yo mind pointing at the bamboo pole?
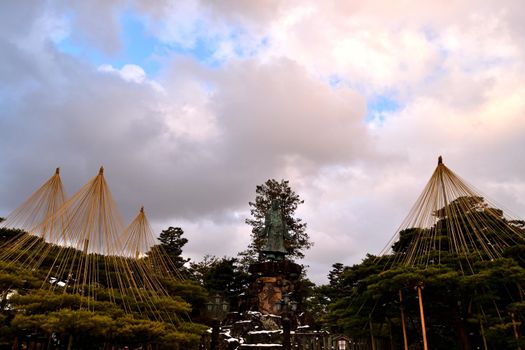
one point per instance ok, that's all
(483, 334)
(403, 321)
(390, 336)
(70, 342)
(86, 246)
(515, 327)
(372, 334)
(422, 312)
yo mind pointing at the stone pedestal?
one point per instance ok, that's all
(273, 279)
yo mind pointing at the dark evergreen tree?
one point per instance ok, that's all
(290, 201)
(172, 242)
(44, 316)
(468, 299)
(335, 275)
(320, 297)
(223, 276)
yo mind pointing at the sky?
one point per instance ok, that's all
(189, 105)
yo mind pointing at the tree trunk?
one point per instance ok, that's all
(464, 340)
(70, 342)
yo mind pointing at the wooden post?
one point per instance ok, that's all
(515, 327)
(70, 342)
(391, 337)
(422, 312)
(483, 334)
(372, 334)
(86, 246)
(215, 330)
(49, 340)
(403, 321)
(286, 323)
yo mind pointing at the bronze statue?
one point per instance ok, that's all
(275, 232)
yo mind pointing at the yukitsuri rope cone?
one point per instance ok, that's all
(83, 246)
(452, 216)
(27, 246)
(139, 242)
(453, 222)
(147, 260)
(42, 204)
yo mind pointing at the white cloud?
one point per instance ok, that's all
(129, 72)
(192, 142)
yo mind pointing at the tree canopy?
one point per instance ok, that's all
(468, 299)
(223, 276)
(272, 189)
(33, 305)
(172, 242)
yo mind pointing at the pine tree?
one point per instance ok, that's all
(290, 201)
(172, 242)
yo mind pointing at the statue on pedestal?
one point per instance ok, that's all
(274, 275)
(275, 232)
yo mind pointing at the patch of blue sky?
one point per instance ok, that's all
(203, 50)
(380, 105)
(68, 46)
(247, 51)
(147, 51)
(242, 46)
(138, 47)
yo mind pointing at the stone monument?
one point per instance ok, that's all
(266, 316)
(275, 275)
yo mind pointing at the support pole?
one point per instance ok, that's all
(391, 338)
(70, 342)
(372, 339)
(86, 246)
(286, 332)
(485, 347)
(515, 327)
(422, 312)
(214, 344)
(15, 343)
(403, 321)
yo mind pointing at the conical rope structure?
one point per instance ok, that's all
(453, 229)
(451, 216)
(84, 250)
(139, 242)
(147, 262)
(43, 203)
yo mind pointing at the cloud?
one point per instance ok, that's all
(278, 111)
(190, 147)
(129, 72)
(259, 101)
(96, 22)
